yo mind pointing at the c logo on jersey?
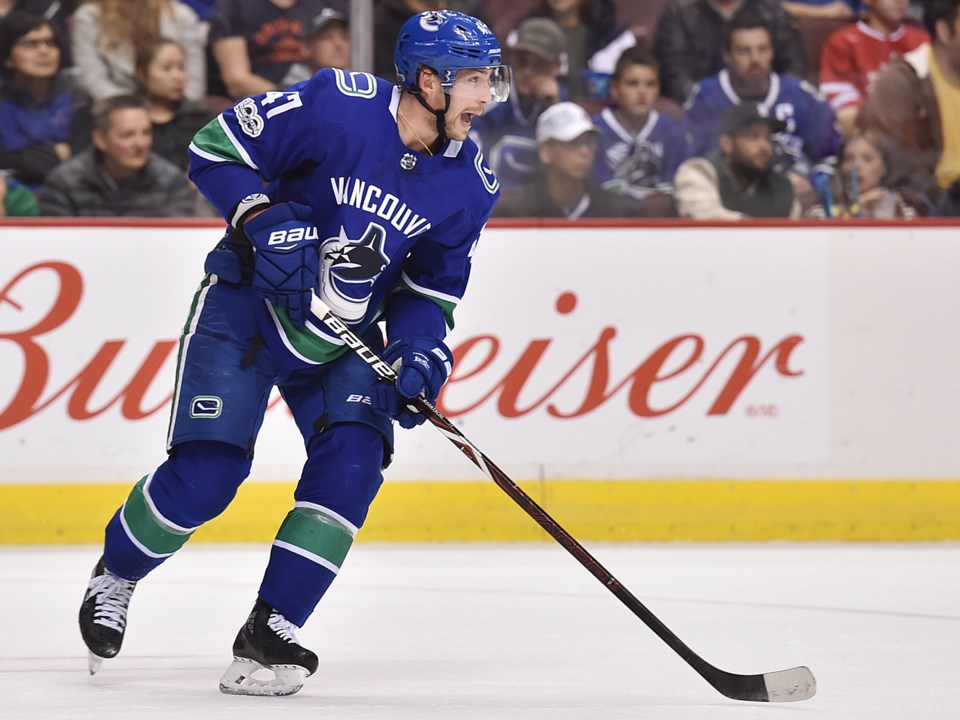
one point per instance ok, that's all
(348, 269)
(490, 181)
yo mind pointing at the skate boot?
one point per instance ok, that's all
(267, 660)
(103, 614)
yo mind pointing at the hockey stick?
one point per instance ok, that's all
(781, 686)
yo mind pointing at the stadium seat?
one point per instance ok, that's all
(813, 34)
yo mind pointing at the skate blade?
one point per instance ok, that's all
(93, 662)
(247, 677)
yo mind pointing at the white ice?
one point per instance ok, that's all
(504, 631)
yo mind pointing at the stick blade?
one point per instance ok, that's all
(790, 685)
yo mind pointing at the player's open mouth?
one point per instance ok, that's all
(466, 118)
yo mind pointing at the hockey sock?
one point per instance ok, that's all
(162, 511)
(138, 538)
(310, 546)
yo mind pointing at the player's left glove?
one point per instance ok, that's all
(423, 366)
(286, 261)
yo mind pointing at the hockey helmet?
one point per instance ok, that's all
(448, 42)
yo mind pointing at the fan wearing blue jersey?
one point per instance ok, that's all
(809, 144)
(507, 134)
(369, 195)
(639, 149)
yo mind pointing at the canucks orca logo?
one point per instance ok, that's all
(348, 269)
(642, 168)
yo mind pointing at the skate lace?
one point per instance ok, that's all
(282, 627)
(113, 596)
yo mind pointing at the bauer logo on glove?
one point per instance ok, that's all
(288, 239)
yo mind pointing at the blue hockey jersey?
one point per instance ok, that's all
(636, 164)
(397, 228)
(810, 142)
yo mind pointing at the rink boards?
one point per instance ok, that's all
(641, 382)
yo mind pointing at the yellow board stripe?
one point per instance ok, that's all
(656, 510)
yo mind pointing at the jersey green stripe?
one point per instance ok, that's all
(317, 533)
(214, 140)
(147, 528)
(311, 346)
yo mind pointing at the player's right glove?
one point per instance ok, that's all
(286, 261)
(423, 366)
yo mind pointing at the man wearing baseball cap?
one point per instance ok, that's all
(328, 46)
(737, 180)
(566, 145)
(535, 52)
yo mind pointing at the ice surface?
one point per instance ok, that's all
(489, 632)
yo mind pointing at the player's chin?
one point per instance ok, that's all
(458, 127)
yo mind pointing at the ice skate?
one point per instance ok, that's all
(267, 660)
(103, 614)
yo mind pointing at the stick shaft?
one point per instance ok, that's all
(740, 687)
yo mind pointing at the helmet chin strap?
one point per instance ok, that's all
(440, 115)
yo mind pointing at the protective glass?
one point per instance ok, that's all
(483, 84)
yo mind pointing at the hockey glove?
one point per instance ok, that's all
(286, 261)
(423, 366)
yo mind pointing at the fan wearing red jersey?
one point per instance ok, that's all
(853, 56)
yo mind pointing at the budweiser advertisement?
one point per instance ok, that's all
(581, 352)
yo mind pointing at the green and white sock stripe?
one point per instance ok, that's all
(189, 330)
(147, 528)
(317, 534)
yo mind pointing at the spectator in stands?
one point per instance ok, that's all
(161, 74)
(56, 12)
(506, 134)
(639, 149)
(825, 9)
(737, 180)
(328, 46)
(389, 16)
(45, 115)
(255, 42)
(914, 105)
(810, 139)
(689, 40)
(118, 175)
(107, 33)
(853, 56)
(567, 144)
(16, 199)
(594, 40)
(858, 189)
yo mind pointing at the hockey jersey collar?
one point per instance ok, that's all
(620, 131)
(727, 86)
(877, 35)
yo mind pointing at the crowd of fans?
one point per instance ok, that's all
(711, 112)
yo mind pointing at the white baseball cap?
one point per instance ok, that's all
(564, 121)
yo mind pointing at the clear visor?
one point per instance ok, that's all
(483, 85)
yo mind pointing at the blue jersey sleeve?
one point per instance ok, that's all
(261, 138)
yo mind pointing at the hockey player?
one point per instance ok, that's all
(809, 143)
(639, 149)
(371, 196)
